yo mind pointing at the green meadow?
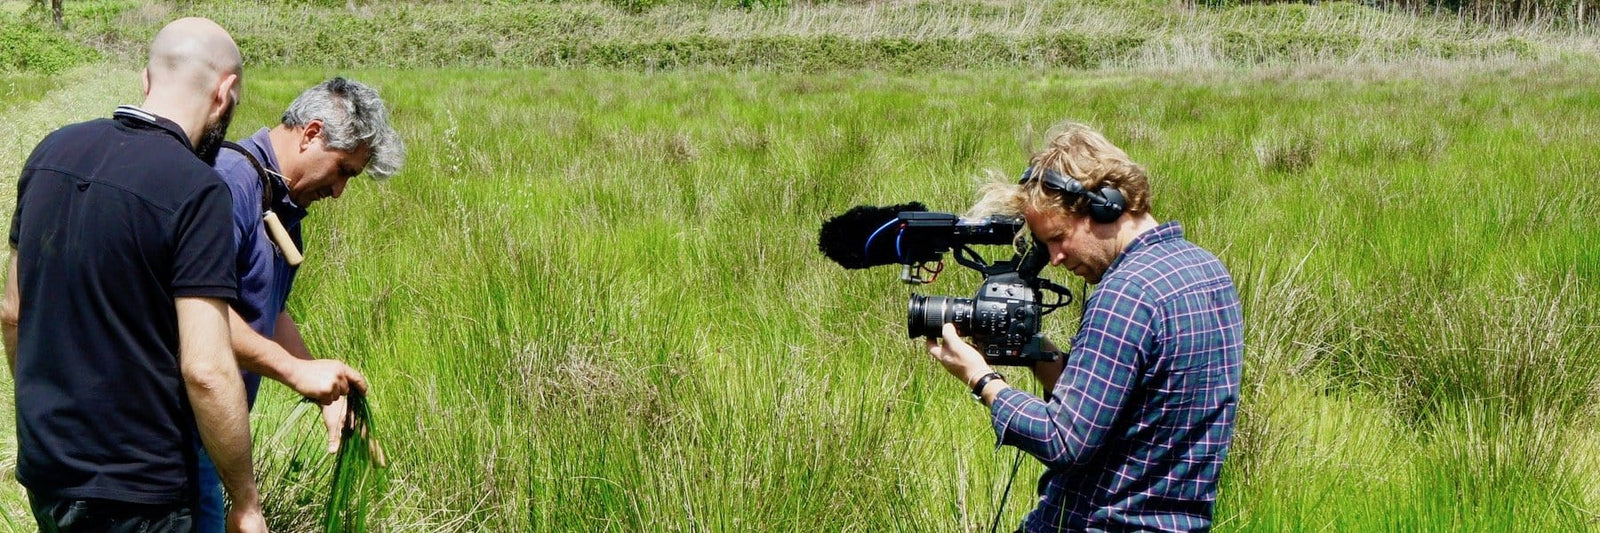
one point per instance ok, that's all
(592, 300)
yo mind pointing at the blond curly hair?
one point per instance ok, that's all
(1075, 150)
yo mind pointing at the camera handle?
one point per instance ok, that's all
(912, 274)
(1063, 295)
(967, 257)
(1027, 263)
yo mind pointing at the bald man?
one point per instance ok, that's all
(115, 310)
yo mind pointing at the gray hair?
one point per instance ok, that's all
(352, 115)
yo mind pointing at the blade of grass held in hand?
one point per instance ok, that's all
(357, 480)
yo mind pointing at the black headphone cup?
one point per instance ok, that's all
(1107, 206)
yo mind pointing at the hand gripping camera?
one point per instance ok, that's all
(1003, 318)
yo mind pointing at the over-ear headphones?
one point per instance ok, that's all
(1105, 205)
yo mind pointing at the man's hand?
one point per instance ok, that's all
(324, 380)
(334, 416)
(958, 358)
(246, 519)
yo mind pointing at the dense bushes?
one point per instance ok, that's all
(34, 47)
(785, 52)
(806, 37)
(415, 47)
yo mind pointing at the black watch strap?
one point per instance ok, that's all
(983, 381)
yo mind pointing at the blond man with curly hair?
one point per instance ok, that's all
(1138, 415)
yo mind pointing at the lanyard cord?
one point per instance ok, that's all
(261, 172)
(276, 235)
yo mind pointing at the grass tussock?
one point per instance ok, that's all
(1290, 155)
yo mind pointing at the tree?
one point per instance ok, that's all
(55, 12)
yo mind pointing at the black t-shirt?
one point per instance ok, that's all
(115, 218)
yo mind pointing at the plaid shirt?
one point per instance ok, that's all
(1139, 422)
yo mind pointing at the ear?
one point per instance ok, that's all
(144, 76)
(226, 92)
(310, 133)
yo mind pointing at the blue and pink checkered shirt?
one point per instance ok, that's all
(1139, 422)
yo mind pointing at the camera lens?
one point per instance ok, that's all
(926, 315)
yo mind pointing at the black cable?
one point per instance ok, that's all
(1015, 466)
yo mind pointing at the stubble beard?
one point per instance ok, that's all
(212, 137)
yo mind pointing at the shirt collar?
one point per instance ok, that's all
(1169, 231)
(133, 115)
(260, 144)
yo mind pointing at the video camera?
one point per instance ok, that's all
(1003, 318)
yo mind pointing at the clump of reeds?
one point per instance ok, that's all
(358, 479)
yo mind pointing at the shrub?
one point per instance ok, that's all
(30, 47)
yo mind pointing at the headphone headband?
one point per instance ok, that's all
(1105, 205)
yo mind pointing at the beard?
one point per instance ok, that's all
(214, 134)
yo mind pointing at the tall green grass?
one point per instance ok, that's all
(21, 89)
(592, 300)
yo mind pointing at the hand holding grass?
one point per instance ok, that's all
(324, 381)
(334, 417)
(357, 483)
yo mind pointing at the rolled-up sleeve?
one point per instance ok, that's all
(1102, 368)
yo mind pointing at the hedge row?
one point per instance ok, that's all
(541, 35)
(1062, 50)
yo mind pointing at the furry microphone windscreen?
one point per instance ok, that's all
(844, 238)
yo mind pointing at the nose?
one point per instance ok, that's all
(338, 187)
(1057, 255)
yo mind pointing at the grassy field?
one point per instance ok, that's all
(592, 301)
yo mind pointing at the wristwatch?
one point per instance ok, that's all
(983, 381)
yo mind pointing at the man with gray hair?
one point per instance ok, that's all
(330, 133)
(115, 312)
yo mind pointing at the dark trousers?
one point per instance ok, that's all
(72, 516)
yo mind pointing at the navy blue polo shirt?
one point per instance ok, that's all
(265, 277)
(114, 219)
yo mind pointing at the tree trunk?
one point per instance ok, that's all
(55, 13)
